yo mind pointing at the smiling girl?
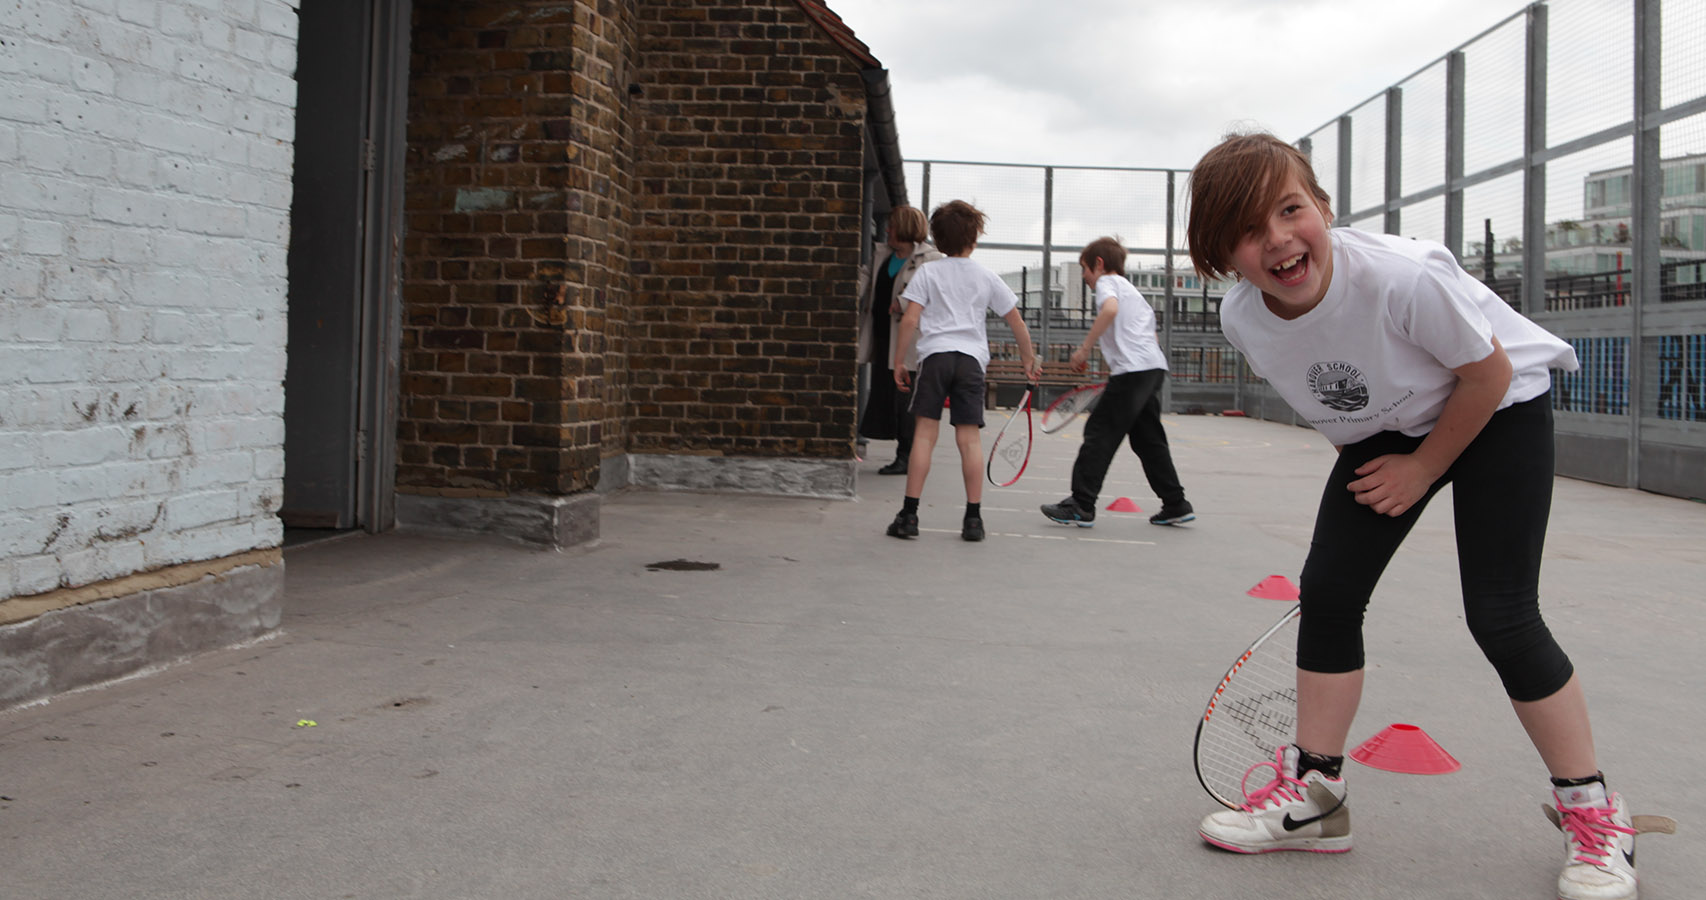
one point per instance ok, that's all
(1421, 376)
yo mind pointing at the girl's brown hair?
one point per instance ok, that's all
(908, 224)
(1232, 189)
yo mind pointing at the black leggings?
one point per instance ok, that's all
(1501, 498)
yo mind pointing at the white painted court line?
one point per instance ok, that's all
(1047, 537)
(1040, 537)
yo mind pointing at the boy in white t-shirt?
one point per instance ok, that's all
(946, 304)
(1421, 376)
(1130, 406)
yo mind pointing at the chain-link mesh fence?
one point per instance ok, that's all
(1561, 154)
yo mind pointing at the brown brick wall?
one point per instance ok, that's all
(746, 243)
(592, 269)
(602, 209)
(514, 203)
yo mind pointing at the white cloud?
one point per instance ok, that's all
(1148, 83)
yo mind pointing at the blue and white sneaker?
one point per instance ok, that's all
(1068, 512)
(1174, 514)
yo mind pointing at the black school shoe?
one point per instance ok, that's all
(1068, 512)
(898, 467)
(1174, 514)
(905, 525)
(972, 529)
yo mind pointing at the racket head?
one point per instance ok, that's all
(1069, 406)
(1011, 450)
(1252, 713)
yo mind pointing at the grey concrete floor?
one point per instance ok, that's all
(833, 713)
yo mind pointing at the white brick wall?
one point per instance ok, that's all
(145, 181)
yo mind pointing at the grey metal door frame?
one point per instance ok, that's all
(382, 276)
(345, 272)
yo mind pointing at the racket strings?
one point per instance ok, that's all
(1252, 715)
(1011, 451)
(1079, 402)
(1069, 407)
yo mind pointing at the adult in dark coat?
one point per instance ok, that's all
(880, 285)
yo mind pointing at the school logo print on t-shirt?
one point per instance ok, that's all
(1338, 385)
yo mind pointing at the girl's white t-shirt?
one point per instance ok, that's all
(1376, 353)
(1129, 343)
(957, 294)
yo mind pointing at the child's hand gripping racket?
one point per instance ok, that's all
(1253, 712)
(1011, 450)
(1069, 406)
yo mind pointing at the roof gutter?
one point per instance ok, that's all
(880, 118)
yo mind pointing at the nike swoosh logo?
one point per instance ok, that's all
(1630, 856)
(1294, 824)
(1291, 824)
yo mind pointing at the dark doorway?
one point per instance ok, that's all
(340, 385)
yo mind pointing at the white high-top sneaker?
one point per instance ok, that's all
(1599, 844)
(1286, 813)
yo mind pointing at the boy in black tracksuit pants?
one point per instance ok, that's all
(1130, 406)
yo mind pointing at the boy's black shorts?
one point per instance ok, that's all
(953, 377)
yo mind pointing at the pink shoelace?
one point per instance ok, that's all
(1592, 830)
(1282, 788)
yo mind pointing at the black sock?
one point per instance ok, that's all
(974, 510)
(1579, 782)
(1329, 766)
(909, 506)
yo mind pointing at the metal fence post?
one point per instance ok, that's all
(1048, 242)
(1455, 79)
(1534, 169)
(1167, 298)
(1647, 188)
(924, 202)
(1394, 159)
(1343, 189)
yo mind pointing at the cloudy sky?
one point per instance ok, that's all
(1141, 82)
